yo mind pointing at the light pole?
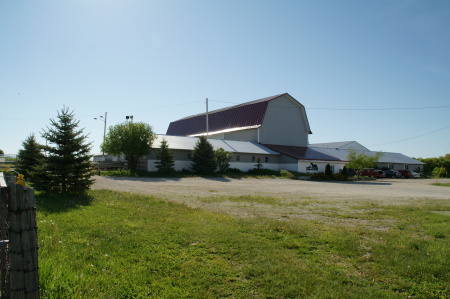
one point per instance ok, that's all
(104, 131)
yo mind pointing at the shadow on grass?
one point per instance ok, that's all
(60, 203)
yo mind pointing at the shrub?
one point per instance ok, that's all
(286, 174)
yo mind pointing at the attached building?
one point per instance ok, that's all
(274, 129)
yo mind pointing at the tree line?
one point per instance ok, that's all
(64, 163)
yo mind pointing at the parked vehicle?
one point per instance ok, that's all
(416, 175)
(393, 174)
(367, 172)
(406, 174)
(378, 174)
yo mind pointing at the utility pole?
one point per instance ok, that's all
(207, 124)
(104, 130)
(104, 134)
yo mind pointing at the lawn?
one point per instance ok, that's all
(119, 245)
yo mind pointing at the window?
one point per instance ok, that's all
(189, 157)
(253, 158)
(266, 159)
(238, 158)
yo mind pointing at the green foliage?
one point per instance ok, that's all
(328, 171)
(132, 139)
(286, 174)
(1, 152)
(222, 159)
(29, 158)
(203, 160)
(439, 172)
(258, 165)
(362, 160)
(165, 160)
(120, 245)
(67, 166)
(432, 163)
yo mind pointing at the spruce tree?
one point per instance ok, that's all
(165, 160)
(203, 161)
(67, 166)
(29, 158)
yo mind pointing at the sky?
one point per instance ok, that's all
(375, 72)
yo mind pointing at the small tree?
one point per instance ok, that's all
(223, 159)
(165, 160)
(67, 166)
(29, 158)
(203, 161)
(1, 152)
(134, 140)
(328, 171)
(359, 161)
(258, 164)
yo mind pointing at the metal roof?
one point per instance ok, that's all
(301, 153)
(391, 158)
(243, 116)
(188, 143)
(338, 145)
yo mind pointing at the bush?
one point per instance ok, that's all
(320, 176)
(286, 174)
(263, 172)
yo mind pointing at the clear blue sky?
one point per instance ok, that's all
(379, 68)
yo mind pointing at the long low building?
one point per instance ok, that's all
(273, 130)
(313, 158)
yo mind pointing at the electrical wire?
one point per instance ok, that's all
(406, 139)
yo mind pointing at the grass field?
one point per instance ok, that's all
(118, 245)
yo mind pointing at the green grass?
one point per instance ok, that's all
(119, 245)
(441, 184)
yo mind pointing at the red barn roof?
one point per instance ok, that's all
(243, 116)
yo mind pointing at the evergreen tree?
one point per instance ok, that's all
(165, 160)
(29, 158)
(223, 159)
(203, 161)
(67, 166)
(328, 171)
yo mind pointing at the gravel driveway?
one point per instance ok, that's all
(386, 190)
(287, 199)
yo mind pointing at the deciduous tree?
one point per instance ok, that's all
(362, 160)
(134, 140)
(223, 159)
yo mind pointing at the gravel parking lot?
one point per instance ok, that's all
(388, 191)
(286, 199)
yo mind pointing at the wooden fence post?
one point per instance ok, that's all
(4, 236)
(22, 247)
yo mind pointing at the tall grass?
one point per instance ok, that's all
(119, 245)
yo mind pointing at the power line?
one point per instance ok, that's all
(381, 109)
(356, 109)
(406, 139)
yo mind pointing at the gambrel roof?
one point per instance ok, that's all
(248, 115)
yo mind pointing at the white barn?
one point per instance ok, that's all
(275, 129)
